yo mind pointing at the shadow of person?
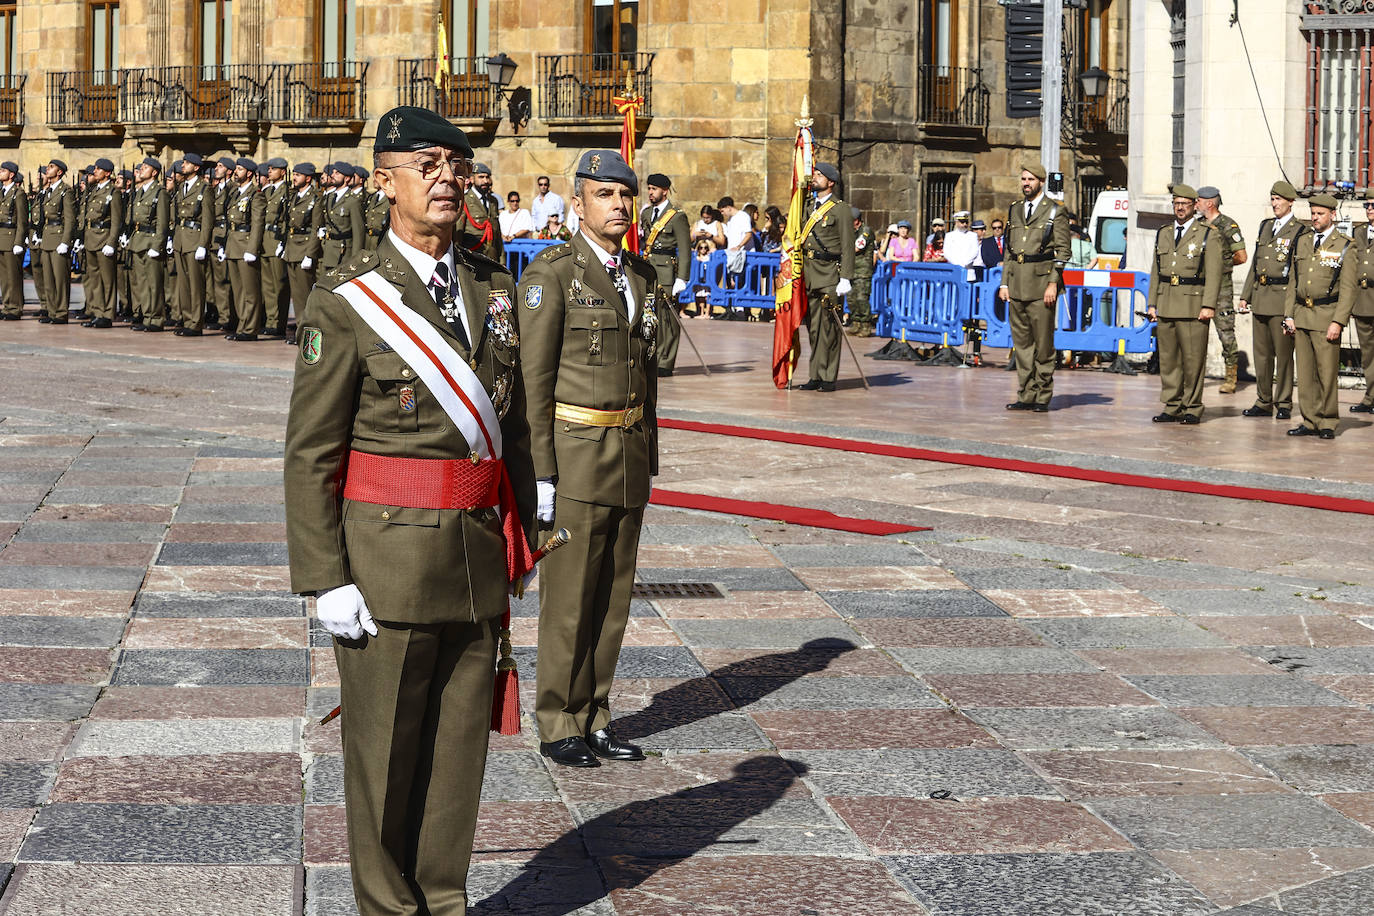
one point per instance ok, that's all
(703, 697)
(645, 837)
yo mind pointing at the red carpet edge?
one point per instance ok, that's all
(1046, 469)
(793, 515)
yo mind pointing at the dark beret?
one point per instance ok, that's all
(658, 180)
(607, 165)
(176, 166)
(828, 170)
(407, 127)
(126, 175)
(245, 162)
(855, 212)
(226, 161)
(105, 164)
(361, 171)
(262, 168)
(193, 158)
(1209, 192)
(481, 168)
(59, 163)
(276, 162)
(154, 164)
(88, 170)
(343, 168)
(305, 168)
(10, 166)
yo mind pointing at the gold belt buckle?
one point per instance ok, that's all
(1264, 279)
(1173, 281)
(1020, 259)
(1307, 300)
(1364, 283)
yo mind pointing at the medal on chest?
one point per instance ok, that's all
(499, 318)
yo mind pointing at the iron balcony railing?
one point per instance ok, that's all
(466, 93)
(1108, 114)
(238, 92)
(952, 96)
(12, 99)
(584, 86)
(83, 97)
(332, 91)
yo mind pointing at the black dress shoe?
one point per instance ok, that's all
(1041, 408)
(1020, 405)
(1326, 434)
(1302, 431)
(58, 321)
(1189, 419)
(665, 373)
(240, 337)
(604, 744)
(190, 332)
(44, 319)
(9, 317)
(1283, 413)
(1362, 408)
(138, 326)
(569, 752)
(213, 326)
(87, 324)
(826, 386)
(1165, 418)
(276, 334)
(1257, 411)
(153, 327)
(813, 385)
(98, 323)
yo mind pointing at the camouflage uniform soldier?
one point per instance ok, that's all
(1232, 254)
(1361, 257)
(865, 259)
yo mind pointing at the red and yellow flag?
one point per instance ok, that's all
(629, 106)
(789, 290)
(443, 69)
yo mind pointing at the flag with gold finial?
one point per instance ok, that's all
(629, 106)
(443, 69)
(789, 290)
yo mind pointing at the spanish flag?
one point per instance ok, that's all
(789, 290)
(629, 106)
(442, 68)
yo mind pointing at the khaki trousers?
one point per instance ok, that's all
(1182, 359)
(823, 329)
(416, 718)
(57, 282)
(301, 281)
(12, 281)
(1364, 327)
(276, 294)
(1273, 363)
(218, 294)
(584, 604)
(246, 282)
(150, 300)
(102, 278)
(1319, 360)
(190, 297)
(1032, 340)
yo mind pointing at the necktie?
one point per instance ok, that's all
(1178, 235)
(1030, 208)
(447, 297)
(1317, 241)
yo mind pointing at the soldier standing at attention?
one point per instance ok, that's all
(1363, 312)
(1185, 276)
(668, 246)
(303, 227)
(243, 248)
(37, 195)
(14, 229)
(411, 575)
(125, 297)
(59, 230)
(1265, 290)
(193, 208)
(865, 260)
(1317, 306)
(827, 240)
(219, 299)
(375, 215)
(342, 228)
(103, 219)
(1037, 248)
(276, 294)
(480, 227)
(150, 218)
(1232, 254)
(589, 317)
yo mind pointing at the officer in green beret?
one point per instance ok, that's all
(1232, 255)
(1362, 253)
(1037, 248)
(589, 310)
(1185, 277)
(668, 246)
(1317, 307)
(1263, 296)
(397, 518)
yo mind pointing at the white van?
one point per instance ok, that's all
(1107, 229)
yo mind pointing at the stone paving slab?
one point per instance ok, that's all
(1121, 728)
(931, 603)
(1320, 768)
(222, 554)
(235, 777)
(915, 773)
(50, 532)
(1230, 822)
(229, 604)
(56, 702)
(171, 737)
(1233, 690)
(1126, 632)
(209, 667)
(763, 693)
(1306, 660)
(141, 890)
(192, 834)
(83, 632)
(991, 661)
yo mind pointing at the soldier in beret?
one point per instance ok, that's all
(193, 212)
(1263, 296)
(410, 576)
(589, 310)
(219, 295)
(1037, 248)
(827, 240)
(150, 218)
(668, 246)
(14, 229)
(342, 228)
(303, 226)
(59, 231)
(243, 248)
(480, 227)
(276, 294)
(124, 181)
(376, 209)
(103, 222)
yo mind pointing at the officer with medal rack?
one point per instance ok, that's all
(1362, 254)
(103, 220)
(668, 246)
(408, 514)
(827, 240)
(589, 317)
(1263, 297)
(1317, 307)
(14, 228)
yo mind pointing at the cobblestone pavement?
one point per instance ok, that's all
(1064, 698)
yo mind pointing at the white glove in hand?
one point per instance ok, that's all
(281, 249)
(154, 253)
(546, 491)
(170, 249)
(343, 612)
(18, 249)
(200, 253)
(678, 286)
(842, 288)
(320, 234)
(62, 248)
(249, 257)
(307, 263)
(124, 240)
(220, 256)
(108, 251)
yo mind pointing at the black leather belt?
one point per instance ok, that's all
(1265, 280)
(1320, 300)
(823, 255)
(104, 224)
(55, 222)
(1364, 281)
(190, 224)
(1030, 258)
(145, 227)
(669, 250)
(338, 235)
(8, 226)
(1176, 280)
(272, 228)
(305, 231)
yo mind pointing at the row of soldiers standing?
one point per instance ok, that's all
(226, 244)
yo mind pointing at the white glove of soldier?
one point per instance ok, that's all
(170, 249)
(343, 612)
(307, 263)
(249, 257)
(108, 251)
(320, 234)
(200, 253)
(154, 253)
(62, 248)
(545, 490)
(123, 240)
(220, 256)
(842, 288)
(281, 249)
(678, 286)
(18, 249)
(79, 245)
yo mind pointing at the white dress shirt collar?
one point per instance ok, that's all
(423, 264)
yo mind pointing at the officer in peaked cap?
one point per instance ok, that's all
(411, 579)
(1263, 297)
(14, 233)
(667, 243)
(590, 317)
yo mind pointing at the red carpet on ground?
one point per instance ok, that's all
(1044, 468)
(792, 515)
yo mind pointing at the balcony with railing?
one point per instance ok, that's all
(333, 92)
(582, 87)
(239, 93)
(84, 99)
(12, 100)
(951, 98)
(465, 95)
(1105, 117)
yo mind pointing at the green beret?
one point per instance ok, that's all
(407, 128)
(1323, 200)
(607, 165)
(1284, 189)
(1183, 190)
(1035, 169)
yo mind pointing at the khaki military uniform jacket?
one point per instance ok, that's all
(486, 211)
(1266, 286)
(150, 215)
(670, 249)
(581, 349)
(219, 212)
(412, 565)
(194, 213)
(244, 212)
(1185, 279)
(102, 216)
(1360, 261)
(14, 217)
(303, 220)
(1323, 289)
(342, 218)
(376, 218)
(828, 249)
(58, 207)
(274, 200)
(1035, 250)
(1228, 231)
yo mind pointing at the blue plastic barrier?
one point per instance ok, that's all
(1097, 312)
(519, 253)
(927, 303)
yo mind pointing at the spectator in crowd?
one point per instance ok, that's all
(936, 225)
(709, 227)
(993, 247)
(516, 222)
(701, 293)
(753, 211)
(961, 244)
(935, 248)
(977, 267)
(546, 203)
(1082, 252)
(774, 223)
(903, 247)
(555, 230)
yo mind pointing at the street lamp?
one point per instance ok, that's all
(500, 71)
(1094, 82)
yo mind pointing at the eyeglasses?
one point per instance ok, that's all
(997, 225)
(431, 169)
(1369, 204)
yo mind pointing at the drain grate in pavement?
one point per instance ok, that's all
(675, 590)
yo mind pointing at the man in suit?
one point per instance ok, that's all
(1265, 290)
(276, 294)
(1036, 250)
(149, 227)
(1185, 278)
(243, 249)
(59, 231)
(342, 229)
(668, 246)
(992, 250)
(480, 227)
(103, 222)
(589, 315)
(827, 240)
(410, 576)
(1317, 307)
(14, 230)
(1362, 254)
(303, 223)
(193, 212)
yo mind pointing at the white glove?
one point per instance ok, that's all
(62, 248)
(343, 612)
(154, 253)
(546, 491)
(842, 288)
(678, 286)
(307, 263)
(170, 249)
(220, 257)
(79, 245)
(124, 239)
(200, 253)
(320, 234)
(249, 257)
(108, 251)
(18, 249)
(281, 249)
